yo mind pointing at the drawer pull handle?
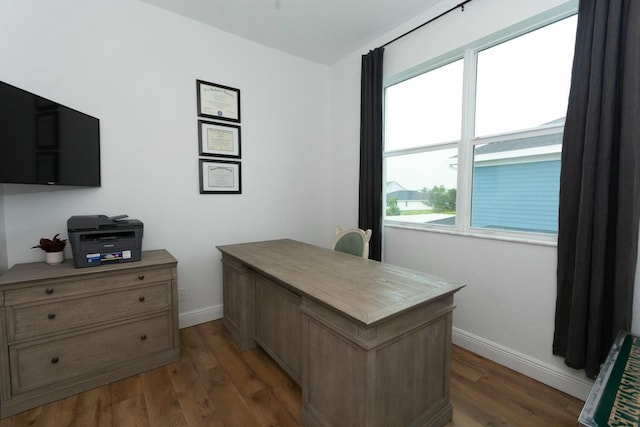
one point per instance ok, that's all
(54, 360)
(143, 337)
(141, 276)
(141, 298)
(48, 291)
(51, 316)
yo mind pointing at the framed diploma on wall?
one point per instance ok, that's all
(220, 177)
(218, 139)
(218, 102)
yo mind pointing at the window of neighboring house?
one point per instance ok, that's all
(495, 168)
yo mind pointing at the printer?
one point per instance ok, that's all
(99, 239)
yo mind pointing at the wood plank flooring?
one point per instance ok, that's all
(215, 385)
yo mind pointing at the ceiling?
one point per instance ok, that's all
(323, 31)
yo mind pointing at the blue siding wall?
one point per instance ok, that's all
(521, 196)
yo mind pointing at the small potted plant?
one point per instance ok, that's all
(53, 249)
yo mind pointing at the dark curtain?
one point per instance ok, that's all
(599, 185)
(370, 191)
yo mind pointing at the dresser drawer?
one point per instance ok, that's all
(67, 359)
(30, 320)
(98, 283)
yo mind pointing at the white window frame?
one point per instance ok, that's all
(468, 141)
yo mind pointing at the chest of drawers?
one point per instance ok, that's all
(65, 330)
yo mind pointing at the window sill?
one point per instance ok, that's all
(527, 238)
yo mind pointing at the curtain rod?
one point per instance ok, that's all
(460, 5)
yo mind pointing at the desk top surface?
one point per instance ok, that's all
(366, 290)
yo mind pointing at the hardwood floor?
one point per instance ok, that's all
(215, 385)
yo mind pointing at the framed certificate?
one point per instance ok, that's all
(220, 177)
(217, 101)
(218, 139)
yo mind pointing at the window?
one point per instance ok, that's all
(433, 125)
(473, 145)
(435, 112)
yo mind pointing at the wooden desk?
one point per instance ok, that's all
(368, 342)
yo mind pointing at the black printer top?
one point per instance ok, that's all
(100, 222)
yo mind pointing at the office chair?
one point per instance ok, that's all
(352, 241)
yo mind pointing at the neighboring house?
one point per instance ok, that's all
(412, 200)
(516, 184)
(408, 200)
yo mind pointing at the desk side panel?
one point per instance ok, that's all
(412, 376)
(238, 285)
(393, 373)
(279, 325)
(335, 379)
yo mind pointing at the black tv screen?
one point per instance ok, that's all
(43, 142)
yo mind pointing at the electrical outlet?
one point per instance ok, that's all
(182, 294)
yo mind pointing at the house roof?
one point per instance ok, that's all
(520, 144)
(406, 195)
(394, 186)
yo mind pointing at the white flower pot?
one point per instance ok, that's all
(54, 257)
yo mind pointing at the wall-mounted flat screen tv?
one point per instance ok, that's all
(43, 142)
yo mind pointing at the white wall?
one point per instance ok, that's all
(134, 67)
(507, 310)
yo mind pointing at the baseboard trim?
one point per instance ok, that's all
(538, 370)
(202, 315)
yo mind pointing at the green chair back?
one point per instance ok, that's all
(351, 243)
